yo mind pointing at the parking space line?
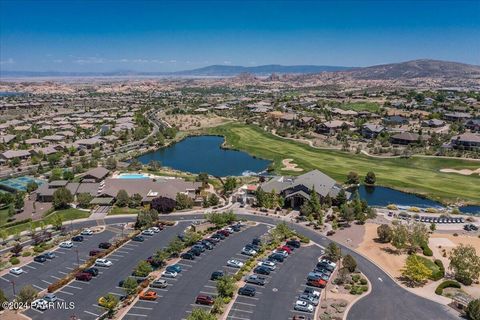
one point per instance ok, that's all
(247, 304)
(210, 293)
(4, 279)
(148, 301)
(117, 255)
(29, 266)
(57, 278)
(64, 273)
(38, 287)
(70, 286)
(135, 315)
(47, 282)
(116, 294)
(240, 310)
(66, 292)
(91, 313)
(143, 308)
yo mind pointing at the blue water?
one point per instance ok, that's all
(132, 176)
(470, 210)
(10, 94)
(203, 154)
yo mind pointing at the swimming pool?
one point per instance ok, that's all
(132, 176)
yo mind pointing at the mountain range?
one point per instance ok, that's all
(404, 70)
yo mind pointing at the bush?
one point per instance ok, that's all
(440, 273)
(355, 277)
(447, 284)
(363, 281)
(14, 260)
(473, 310)
(426, 250)
(26, 254)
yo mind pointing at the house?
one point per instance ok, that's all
(12, 154)
(472, 124)
(306, 122)
(34, 141)
(88, 143)
(433, 123)
(7, 138)
(468, 141)
(45, 192)
(395, 120)
(406, 138)
(371, 131)
(332, 127)
(97, 174)
(457, 116)
(297, 190)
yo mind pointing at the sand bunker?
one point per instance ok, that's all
(465, 172)
(290, 166)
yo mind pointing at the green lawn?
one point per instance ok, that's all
(66, 214)
(125, 210)
(3, 216)
(361, 106)
(418, 174)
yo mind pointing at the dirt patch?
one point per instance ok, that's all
(290, 166)
(194, 121)
(351, 236)
(465, 172)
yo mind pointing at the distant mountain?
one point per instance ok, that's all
(223, 70)
(416, 69)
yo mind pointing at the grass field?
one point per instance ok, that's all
(417, 175)
(125, 210)
(361, 106)
(3, 216)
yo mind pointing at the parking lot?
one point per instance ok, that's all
(85, 294)
(276, 299)
(178, 299)
(41, 275)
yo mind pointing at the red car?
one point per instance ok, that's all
(83, 276)
(318, 283)
(224, 232)
(204, 299)
(285, 248)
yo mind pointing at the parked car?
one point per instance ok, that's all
(248, 252)
(207, 244)
(92, 270)
(217, 275)
(224, 232)
(318, 283)
(255, 279)
(236, 228)
(83, 276)
(105, 245)
(159, 283)
(234, 263)
(257, 241)
(174, 267)
(169, 274)
(294, 243)
(247, 291)
(148, 295)
(41, 258)
(49, 255)
(77, 238)
(66, 244)
(252, 246)
(309, 299)
(195, 251)
(50, 297)
(218, 236)
(188, 255)
(204, 299)
(155, 229)
(16, 271)
(93, 253)
(267, 264)
(148, 232)
(300, 317)
(138, 239)
(103, 263)
(261, 270)
(213, 240)
(303, 306)
(282, 252)
(86, 232)
(312, 292)
(40, 304)
(276, 257)
(199, 247)
(286, 248)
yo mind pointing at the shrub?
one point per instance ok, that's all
(364, 288)
(26, 254)
(426, 250)
(363, 281)
(473, 310)
(447, 284)
(355, 277)
(14, 260)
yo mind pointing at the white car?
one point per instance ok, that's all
(16, 271)
(249, 252)
(282, 252)
(332, 264)
(303, 306)
(234, 263)
(40, 304)
(103, 263)
(267, 264)
(87, 232)
(148, 232)
(169, 274)
(230, 230)
(155, 229)
(66, 244)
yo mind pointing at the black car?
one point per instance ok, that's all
(207, 244)
(294, 243)
(256, 241)
(138, 238)
(92, 271)
(195, 251)
(324, 265)
(236, 228)
(77, 238)
(41, 258)
(252, 247)
(277, 257)
(188, 256)
(199, 247)
(247, 291)
(217, 275)
(104, 245)
(261, 270)
(219, 235)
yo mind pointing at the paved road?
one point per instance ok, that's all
(275, 300)
(85, 294)
(41, 275)
(387, 299)
(177, 301)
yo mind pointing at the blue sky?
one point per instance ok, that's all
(165, 36)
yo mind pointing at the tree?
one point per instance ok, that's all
(122, 198)
(347, 213)
(221, 219)
(56, 174)
(32, 186)
(130, 285)
(3, 299)
(415, 271)
(62, 197)
(341, 197)
(418, 236)
(154, 165)
(183, 201)
(201, 314)
(230, 184)
(16, 249)
(333, 252)
(135, 201)
(465, 262)
(143, 269)
(111, 163)
(370, 178)
(399, 236)
(19, 202)
(282, 231)
(473, 310)
(226, 286)
(27, 294)
(68, 175)
(84, 199)
(203, 178)
(213, 199)
(350, 263)
(353, 178)
(109, 303)
(57, 221)
(384, 233)
(175, 246)
(163, 204)
(433, 227)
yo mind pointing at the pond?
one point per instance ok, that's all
(204, 154)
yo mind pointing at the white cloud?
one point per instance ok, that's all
(227, 62)
(8, 61)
